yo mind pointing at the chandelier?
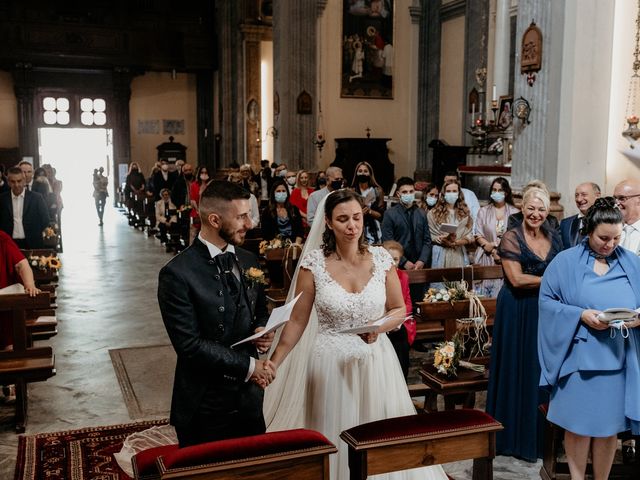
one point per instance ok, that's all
(632, 132)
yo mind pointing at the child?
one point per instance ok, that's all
(402, 338)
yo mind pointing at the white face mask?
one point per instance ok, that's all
(451, 197)
(431, 201)
(291, 181)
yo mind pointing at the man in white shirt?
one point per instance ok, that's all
(23, 214)
(627, 194)
(335, 181)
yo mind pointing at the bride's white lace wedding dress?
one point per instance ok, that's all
(350, 382)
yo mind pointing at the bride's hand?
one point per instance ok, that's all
(369, 337)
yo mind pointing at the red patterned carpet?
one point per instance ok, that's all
(75, 454)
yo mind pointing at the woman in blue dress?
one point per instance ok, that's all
(591, 367)
(512, 394)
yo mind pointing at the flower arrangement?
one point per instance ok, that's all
(277, 242)
(453, 291)
(43, 263)
(255, 276)
(446, 357)
(50, 232)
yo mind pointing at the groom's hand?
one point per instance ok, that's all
(264, 373)
(263, 343)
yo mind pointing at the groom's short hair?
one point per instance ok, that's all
(215, 197)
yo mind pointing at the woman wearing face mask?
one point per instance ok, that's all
(200, 183)
(364, 183)
(449, 249)
(300, 194)
(281, 218)
(430, 196)
(134, 190)
(490, 224)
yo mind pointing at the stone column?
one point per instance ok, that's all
(501, 51)
(428, 86)
(27, 130)
(121, 122)
(204, 115)
(295, 63)
(535, 147)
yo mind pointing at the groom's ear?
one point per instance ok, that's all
(215, 220)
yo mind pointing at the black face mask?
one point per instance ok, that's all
(321, 182)
(336, 184)
(188, 176)
(362, 178)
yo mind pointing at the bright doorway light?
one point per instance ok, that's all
(75, 153)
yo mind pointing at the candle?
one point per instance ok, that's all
(473, 111)
(494, 96)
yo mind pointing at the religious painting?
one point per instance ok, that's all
(148, 127)
(304, 103)
(505, 111)
(173, 127)
(367, 49)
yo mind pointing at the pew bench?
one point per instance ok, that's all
(422, 440)
(24, 364)
(287, 455)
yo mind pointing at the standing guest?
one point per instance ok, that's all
(216, 393)
(430, 196)
(470, 198)
(134, 187)
(280, 171)
(27, 170)
(56, 186)
(4, 186)
(23, 214)
(364, 183)
(321, 180)
(179, 164)
(41, 183)
(280, 218)
(182, 186)
(591, 369)
(512, 395)
(253, 201)
(201, 182)
(100, 192)
(403, 337)
(407, 224)
(163, 178)
(450, 249)
(166, 214)
(335, 181)
(266, 179)
(627, 195)
(517, 218)
(491, 224)
(300, 195)
(248, 183)
(290, 180)
(585, 195)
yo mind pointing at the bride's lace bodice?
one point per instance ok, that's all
(338, 309)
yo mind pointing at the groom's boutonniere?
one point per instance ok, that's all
(254, 276)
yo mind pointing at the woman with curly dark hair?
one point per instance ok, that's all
(364, 183)
(280, 218)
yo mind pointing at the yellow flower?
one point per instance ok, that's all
(255, 276)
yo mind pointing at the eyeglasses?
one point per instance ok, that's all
(624, 198)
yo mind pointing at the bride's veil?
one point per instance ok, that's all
(285, 398)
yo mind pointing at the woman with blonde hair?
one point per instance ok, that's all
(300, 194)
(451, 227)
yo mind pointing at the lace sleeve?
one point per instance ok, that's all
(509, 247)
(382, 258)
(313, 261)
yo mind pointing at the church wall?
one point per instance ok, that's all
(452, 81)
(8, 112)
(349, 117)
(156, 96)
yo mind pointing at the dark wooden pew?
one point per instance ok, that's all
(24, 364)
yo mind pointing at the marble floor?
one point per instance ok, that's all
(106, 300)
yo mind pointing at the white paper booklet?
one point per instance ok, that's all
(613, 314)
(449, 228)
(279, 316)
(369, 327)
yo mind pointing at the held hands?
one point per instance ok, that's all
(263, 343)
(264, 373)
(590, 318)
(369, 337)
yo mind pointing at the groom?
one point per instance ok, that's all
(207, 304)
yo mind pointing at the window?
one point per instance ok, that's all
(56, 111)
(93, 111)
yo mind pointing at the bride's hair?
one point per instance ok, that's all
(333, 200)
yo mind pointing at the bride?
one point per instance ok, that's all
(330, 381)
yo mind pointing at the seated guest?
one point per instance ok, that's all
(248, 183)
(335, 181)
(300, 194)
(449, 249)
(470, 198)
(253, 201)
(23, 214)
(430, 196)
(364, 183)
(491, 224)
(627, 195)
(280, 218)
(517, 218)
(513, 395)
(586, 193)
(166, 213)
(591, 369)
(403, 337)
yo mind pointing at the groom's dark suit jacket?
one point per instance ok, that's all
(200, 317)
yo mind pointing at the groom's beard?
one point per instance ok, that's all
(234, 237)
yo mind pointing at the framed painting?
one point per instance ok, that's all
(367, 49)
(505, 111)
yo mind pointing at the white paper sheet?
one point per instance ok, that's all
(278, 317)
(370, 327)
(12, 289)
